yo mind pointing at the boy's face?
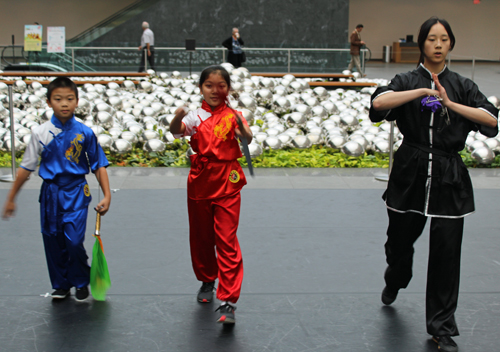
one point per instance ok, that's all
(64, 102)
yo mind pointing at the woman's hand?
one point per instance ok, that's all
(473, 114)
(394, 99)
(441, 92)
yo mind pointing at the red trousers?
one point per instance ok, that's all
(213, 223)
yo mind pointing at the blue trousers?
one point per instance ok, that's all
(65, 253)
(63, 212)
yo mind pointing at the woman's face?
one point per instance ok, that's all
(214, 89)
(437, 44)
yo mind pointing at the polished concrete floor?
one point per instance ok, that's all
(312, 243)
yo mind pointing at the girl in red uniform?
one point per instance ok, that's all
(214, 185)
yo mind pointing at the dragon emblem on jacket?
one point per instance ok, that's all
(223, 127)
(75, 150)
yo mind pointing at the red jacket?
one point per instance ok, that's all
(215, 170)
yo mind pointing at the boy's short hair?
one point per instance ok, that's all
(61, 82)
(360, 26)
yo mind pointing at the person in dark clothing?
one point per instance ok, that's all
(435, 109)
(233, 45)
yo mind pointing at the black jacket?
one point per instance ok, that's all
(428, 175)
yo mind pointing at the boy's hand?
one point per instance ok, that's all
(103, 206)
(8, 210)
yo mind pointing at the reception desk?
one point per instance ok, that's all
(405, 52)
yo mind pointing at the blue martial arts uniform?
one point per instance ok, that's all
(68, 152)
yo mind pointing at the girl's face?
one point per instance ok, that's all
(437, 44)
(214, 89)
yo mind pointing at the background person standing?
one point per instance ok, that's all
(233, 44)
(147, 44)
(356, 44)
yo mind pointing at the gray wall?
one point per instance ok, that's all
(76, 16)
(262, 23)
(475, 26)
(312, 23)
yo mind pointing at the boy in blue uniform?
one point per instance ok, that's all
(67, 149)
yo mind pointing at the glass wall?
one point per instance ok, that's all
(102, 59)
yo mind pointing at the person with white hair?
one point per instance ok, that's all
(236, 55)
(147, 44)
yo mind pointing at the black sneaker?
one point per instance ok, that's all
(389, 295)
(82, 293)
(206, 292)
(60, 294)
(226, 314)
(445, 343)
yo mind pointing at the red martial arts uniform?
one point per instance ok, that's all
(214, 185)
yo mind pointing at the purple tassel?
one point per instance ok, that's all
(431, 103)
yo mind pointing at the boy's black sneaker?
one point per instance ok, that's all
(226, 314)
(82, 293)
(389, 295)
(445, 343)
(60, 294)
(206, 292)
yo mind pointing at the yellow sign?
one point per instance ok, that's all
(32, 37)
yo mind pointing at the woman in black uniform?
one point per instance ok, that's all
(435, 109)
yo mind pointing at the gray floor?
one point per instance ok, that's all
(312, 243)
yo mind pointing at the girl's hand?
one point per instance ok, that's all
(176, 125)
(238, 120)
(441, 91)
(8, 210)
(181, 112)
(242, 131)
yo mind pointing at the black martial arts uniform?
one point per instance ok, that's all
(429, 179)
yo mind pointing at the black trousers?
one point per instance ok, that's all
(235, 59)
(443, 272)
(151, 59)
